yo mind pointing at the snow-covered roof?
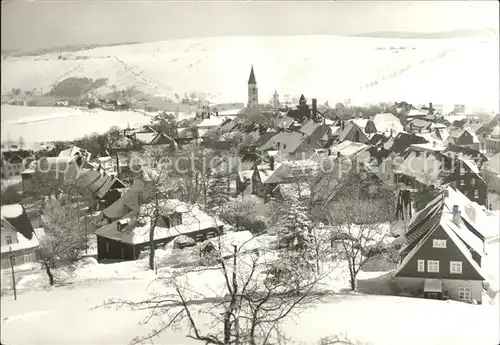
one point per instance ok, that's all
(136, 232)
(415, 112)
(348, 148)
(245, 174)
(22, 243)
(213, 121)
(386, 121)
(11, 211)
(472, 165)
(431, 146)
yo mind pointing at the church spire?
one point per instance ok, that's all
(251, 79)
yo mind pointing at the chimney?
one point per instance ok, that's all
(338, 154)
(271, 163)
(329, 152)
(314, 107)
(457, 218)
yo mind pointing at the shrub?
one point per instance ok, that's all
(255, 224)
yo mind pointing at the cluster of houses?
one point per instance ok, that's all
(410, 149)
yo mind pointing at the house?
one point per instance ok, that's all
(443, 248)
(466, 178)
(12, 163)
(463, 152)
(309, 137)
(352, 132)
(126, 238)
(106, 189)
(387, 122)
(18, 238)
(423, 169)
(260, 175)
(75, 150)
(44, 173)
(403, 141)
(491, 173)
(464, 138)
(492, 142)
(419, 125)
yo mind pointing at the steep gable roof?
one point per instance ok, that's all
(440, 212)
(17, 217)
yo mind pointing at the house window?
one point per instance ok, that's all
(9, 239)
(107, 247)
(476, 193)
(210, 234)
(433, 266)
(462, 182)
(439, 244)
(27, 258)
(13, 256)
(421, 266)
(456, 267)
(473, 181)
(464, 293)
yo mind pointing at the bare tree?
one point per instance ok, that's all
(249, 308)
(360, 231)
(153, 163)
(64, 238)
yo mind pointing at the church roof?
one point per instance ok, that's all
(251, 80)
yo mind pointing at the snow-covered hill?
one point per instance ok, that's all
(329, 68)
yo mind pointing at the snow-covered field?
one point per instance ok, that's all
(63, 315)
(333, 68)
(39, 124)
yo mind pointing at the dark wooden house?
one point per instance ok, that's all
(441, 256)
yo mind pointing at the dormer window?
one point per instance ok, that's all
(122, 223)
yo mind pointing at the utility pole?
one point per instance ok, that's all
(13, 275)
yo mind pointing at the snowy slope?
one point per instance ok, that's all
(39, 124)
(328, 67)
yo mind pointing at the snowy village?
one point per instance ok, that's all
(263, 211)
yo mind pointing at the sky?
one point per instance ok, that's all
(34, 24)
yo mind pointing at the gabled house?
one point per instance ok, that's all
(419, 125)
(13, 163)
(75, 150)
(352, 132)
(444, 245)
(403, 141)
(464, 138)
(424, 169)
(127, 237)
(387, 123)
(466, 153)
(491, 173)
(18, 238)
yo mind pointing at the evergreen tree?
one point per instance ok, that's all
(218, 193)
(295, 244)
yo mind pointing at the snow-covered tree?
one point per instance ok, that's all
(218, 192)
(65, 237)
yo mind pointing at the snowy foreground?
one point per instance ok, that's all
(65, 314)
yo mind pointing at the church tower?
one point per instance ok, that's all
(276, 100)
(253, 92)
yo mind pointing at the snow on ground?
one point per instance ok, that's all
(39, 124)
(63, 315)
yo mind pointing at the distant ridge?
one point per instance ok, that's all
(428, 35)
